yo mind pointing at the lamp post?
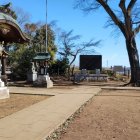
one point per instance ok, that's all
(46, 26)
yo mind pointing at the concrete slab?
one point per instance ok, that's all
(31, 90)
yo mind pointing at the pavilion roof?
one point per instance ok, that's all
(41, 56)
(10, 30)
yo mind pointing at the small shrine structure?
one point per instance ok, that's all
(10, 32)
(41, 61)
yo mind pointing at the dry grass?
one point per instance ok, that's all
(18, 102)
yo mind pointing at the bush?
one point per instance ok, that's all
(59, 67)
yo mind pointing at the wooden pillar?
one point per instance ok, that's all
(3, 65)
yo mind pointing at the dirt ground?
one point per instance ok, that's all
(17, 102)
(111, 115)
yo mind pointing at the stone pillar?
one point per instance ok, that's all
(4, 91)
(32, 74)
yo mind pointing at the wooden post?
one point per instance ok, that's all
(3, 66)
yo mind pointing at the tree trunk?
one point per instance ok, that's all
(69, 68)
(72, 71)
(69, 72)
(134, 61)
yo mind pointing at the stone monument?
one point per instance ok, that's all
(32, 74)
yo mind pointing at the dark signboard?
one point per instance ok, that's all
(90, 62)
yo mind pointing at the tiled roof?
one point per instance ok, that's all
(42, 56)
(8, 18)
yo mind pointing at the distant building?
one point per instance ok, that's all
(118, 69)
(122, 70)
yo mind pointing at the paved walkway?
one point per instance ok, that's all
(121, 88)
(40, 120)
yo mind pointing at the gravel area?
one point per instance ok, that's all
(111, 115)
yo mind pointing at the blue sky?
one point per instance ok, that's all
(88, 26)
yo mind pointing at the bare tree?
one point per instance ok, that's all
(22, 16)
(128, 23)
(71, 48)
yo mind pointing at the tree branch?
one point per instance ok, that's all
(122, 6)
(136, 22)
(112, 15)
(127, 18)
(136, 30)
(131, 5)
(74, 57)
